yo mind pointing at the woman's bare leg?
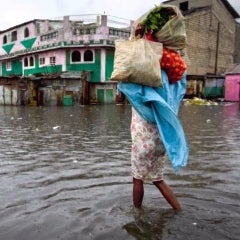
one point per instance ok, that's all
(138, 192)
(168, 194)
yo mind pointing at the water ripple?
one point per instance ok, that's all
(65, 174)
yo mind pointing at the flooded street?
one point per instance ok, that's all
(65, 174)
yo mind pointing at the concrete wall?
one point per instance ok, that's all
(210, 37)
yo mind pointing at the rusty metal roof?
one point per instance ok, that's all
(234, 69)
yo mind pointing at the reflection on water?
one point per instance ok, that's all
(148, 223)
(65, 174)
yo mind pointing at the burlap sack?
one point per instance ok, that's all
(137, 61)
(173, 34)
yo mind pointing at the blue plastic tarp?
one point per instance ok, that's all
(160, 105)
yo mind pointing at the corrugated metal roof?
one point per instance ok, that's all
(72, 74)
(235, 69)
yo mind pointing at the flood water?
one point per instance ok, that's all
(65, 174)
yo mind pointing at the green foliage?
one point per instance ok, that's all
(156, 19)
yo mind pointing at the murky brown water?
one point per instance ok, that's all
(65, 174)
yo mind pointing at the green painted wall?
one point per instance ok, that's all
(45, 69)
(105, 96)
(109, 96)
(100, 95)
(109, 63)
(94, 68)
(213, 92)
(15, 70)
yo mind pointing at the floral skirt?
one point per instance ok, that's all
(148, 152)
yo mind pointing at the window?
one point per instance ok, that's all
(87, 31)
(25, 62)
(4, 39)
(31, 60)
(53, 60)
(42, 61)
(88, 56)
(26, 32)
(49, 36)
(8, 65)
(14, 36)
(93, 31)
(183, 6)
(76, 56)
(28, 62)
(38, 27)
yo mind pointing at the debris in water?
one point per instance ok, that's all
(199, 101)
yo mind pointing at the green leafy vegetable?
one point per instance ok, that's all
(157, 18)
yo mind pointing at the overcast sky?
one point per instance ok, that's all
(18, 12)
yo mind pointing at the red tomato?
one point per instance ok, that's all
(173, 64)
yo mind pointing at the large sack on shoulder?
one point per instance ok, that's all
(173, 33)
(137, 61)
(169, 30)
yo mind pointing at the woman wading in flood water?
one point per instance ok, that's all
(156, 130)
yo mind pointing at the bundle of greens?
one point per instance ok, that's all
(157, 18)
(164, 24)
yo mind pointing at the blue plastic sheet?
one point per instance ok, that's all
(160, 105)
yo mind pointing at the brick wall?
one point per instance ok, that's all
(210, 47)
(210, 37)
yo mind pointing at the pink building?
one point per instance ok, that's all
(49, 61)
(232, 83)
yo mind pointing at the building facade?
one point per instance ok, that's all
(211, 44)
(70, 60)
(44, 62)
